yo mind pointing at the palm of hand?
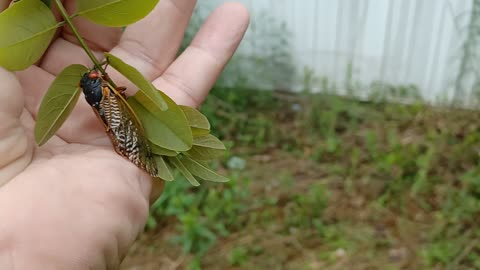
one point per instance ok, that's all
(74, 202)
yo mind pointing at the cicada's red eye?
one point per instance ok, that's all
(94, 74)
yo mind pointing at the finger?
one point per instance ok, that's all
(15, 151)
(4, 4)
(194, 72)
(151, 44)
(65, 50)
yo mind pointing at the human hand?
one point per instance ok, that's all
(74, 203)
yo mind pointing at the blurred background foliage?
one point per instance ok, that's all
(322, 181)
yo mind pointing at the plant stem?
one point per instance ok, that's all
(77, 35)
(82, 42)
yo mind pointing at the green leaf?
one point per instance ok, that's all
(205, 153)
(58, 102)
(200, 170)
(26, 30)
(158, 132)
(179, 165)
(199, 124)
(173, 118)
(155, 97)
(209, 141)
(195, 118)
(115, 13)
(198, 132)
(163, 169)
(162, 151)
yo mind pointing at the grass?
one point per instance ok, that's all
(325, 182)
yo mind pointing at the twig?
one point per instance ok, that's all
(82, 42)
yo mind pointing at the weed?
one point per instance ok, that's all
(238, 256)
(306, 210)
(203, 214)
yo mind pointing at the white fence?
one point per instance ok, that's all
(398, 42)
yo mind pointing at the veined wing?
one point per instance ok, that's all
(126, 131)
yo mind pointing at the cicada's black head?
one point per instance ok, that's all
(91, 83)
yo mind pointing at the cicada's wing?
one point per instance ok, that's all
(126, 132)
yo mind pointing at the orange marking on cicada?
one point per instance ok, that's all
(94, 74)
(105, 91)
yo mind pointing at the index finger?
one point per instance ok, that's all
(189, 78)
(151, 44)
(4, 4)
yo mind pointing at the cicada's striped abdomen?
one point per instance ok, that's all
(126, 133)
(124, 130)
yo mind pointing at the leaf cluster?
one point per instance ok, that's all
(179, 136)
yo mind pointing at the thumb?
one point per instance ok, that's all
(15, 150)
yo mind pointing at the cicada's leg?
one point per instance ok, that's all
(121, 90)
(105, 94)
(104, 64)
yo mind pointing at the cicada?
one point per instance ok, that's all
(121, 123)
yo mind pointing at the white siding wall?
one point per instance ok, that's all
(395, 41)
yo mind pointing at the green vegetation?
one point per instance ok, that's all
(329, 183)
